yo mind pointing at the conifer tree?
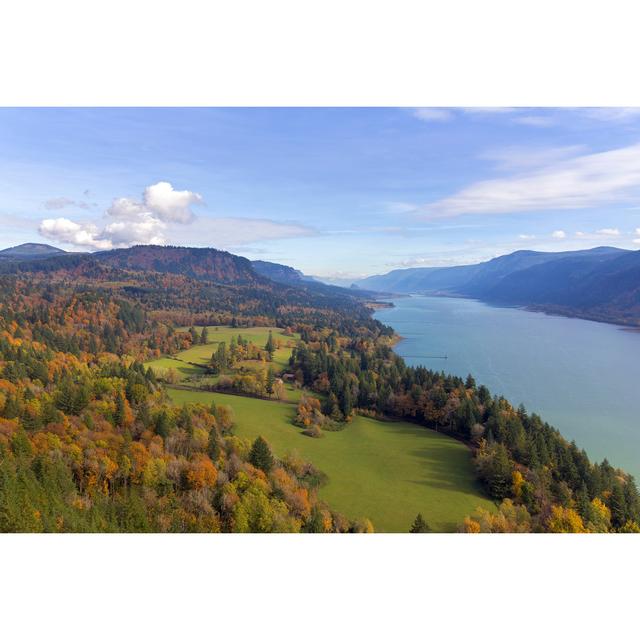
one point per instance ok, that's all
(617, 506)
(271, 379)
(419, 525)
(260, 455)
(270, 346)
(119, 414)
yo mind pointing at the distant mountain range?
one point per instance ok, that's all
(600, 284)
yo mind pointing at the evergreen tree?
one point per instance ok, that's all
(260, 455)
(500, 473)
(213, 447)
(582, 502)
(419, 525)
(617, 504)
(162, 424)
(204, 336)
(271, 380)
(270, 346)
(119, 414)
(346, 405)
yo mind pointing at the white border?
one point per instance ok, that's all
(401, 53)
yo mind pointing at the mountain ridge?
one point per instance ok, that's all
(601, 284)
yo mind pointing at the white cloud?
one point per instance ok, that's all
(517, 158)
(559, 234)
(80, 235)
(126, 233)
(126, 209)
(164, 214)
(608, 232)
(135, 222)
(170, 205)
(636, 241)
(161, 201)
(585, 181)
(524, 236)
(432, 114)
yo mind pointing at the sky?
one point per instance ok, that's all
(338, 193)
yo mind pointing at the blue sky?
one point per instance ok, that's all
(334, 192)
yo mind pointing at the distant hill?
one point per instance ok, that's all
(606, 289)
(202, 264)
(278, 272)
(474, 278)
(279, 284)
(601, 283)
(29, 251)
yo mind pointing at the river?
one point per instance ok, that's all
(580, 376)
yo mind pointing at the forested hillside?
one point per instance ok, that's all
(89, 441)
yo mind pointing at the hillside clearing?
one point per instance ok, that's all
(386, 471)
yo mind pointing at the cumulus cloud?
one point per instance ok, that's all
(585, 181)
(559, 234)
(133, 221)
(161, 215)
(524, 236)
(170, 205)
(80, 235)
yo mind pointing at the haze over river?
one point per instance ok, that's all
(580, 376)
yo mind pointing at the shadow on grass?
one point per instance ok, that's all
(447, 462)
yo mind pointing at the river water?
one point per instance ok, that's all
(580, 376)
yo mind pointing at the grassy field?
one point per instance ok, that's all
(386, 471)
(256, 335)
(201, 353)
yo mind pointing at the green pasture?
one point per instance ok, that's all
(201, 354)
(386, 471)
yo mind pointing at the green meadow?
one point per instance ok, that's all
(257, 335)
(385, 471)
(201, 354)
